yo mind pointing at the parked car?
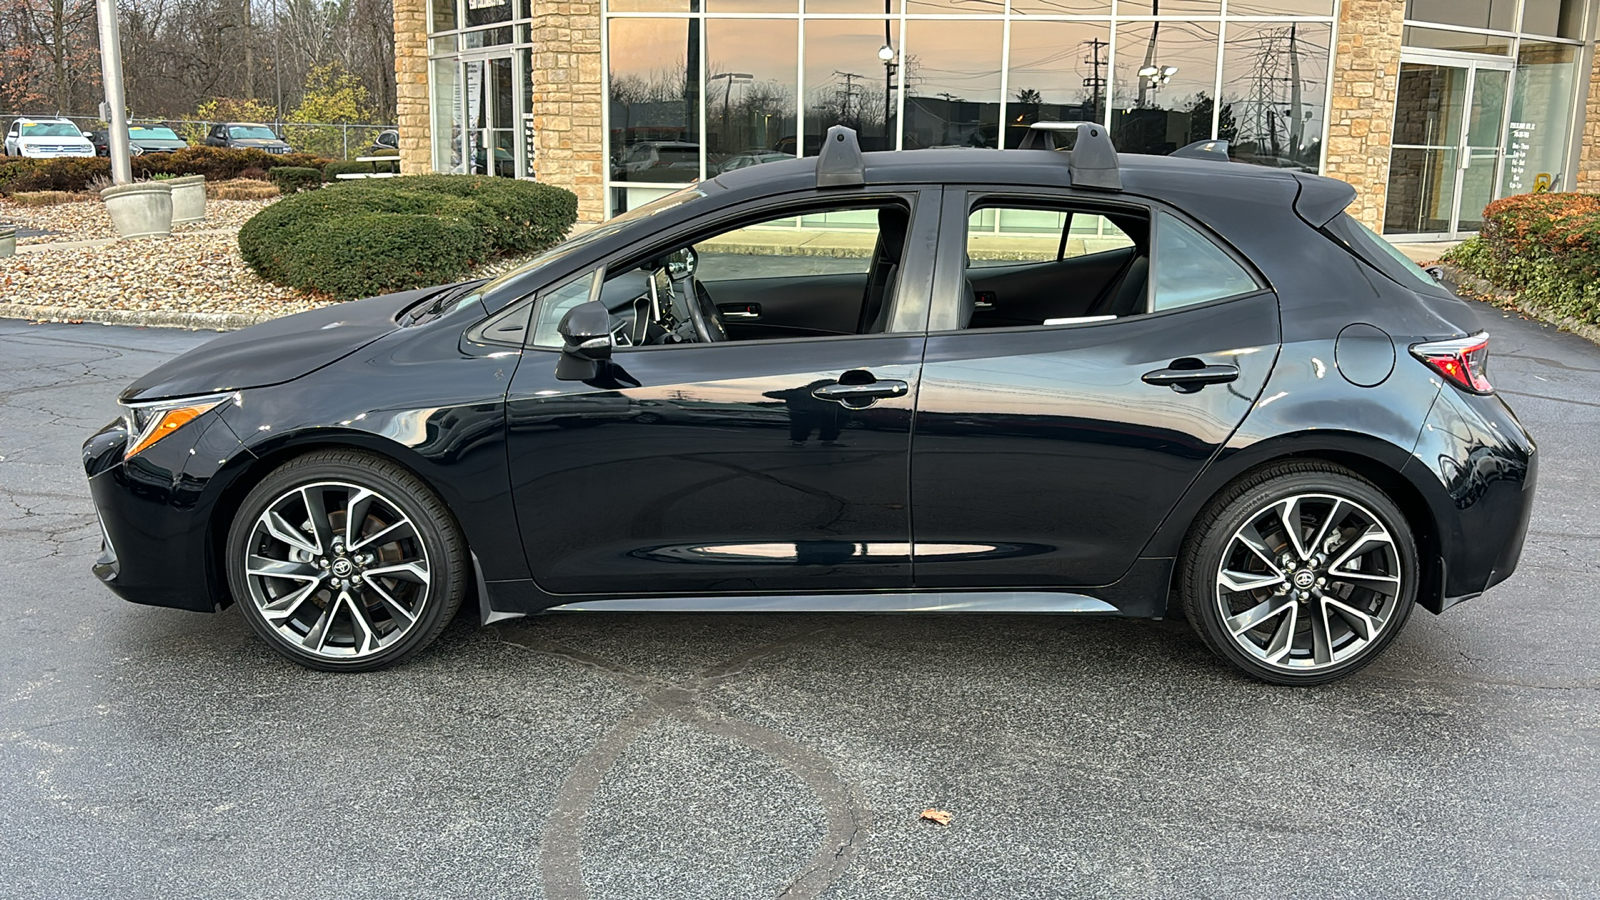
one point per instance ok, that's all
(751, 158)
(142, 139)
(387, 141)
(46, 137)
(669, 161)
(1254, 414)
(245, 136)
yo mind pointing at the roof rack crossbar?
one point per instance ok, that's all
(840, 163)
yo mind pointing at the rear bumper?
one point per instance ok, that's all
(157, 544)
(1485, 468)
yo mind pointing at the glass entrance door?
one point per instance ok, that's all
(489, 132)
(1449, 144)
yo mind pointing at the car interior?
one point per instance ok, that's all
(834, 271)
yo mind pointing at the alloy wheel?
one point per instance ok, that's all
(1309, 582)
(337, 570)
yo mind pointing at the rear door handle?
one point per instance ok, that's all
(741, 311)
(1188, 375)
(861, 396)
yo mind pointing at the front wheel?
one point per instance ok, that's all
(1300, 573)
(343, 560)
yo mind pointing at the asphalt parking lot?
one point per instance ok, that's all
(154, 753)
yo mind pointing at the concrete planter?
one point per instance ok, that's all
(8, 240)
(188, 199)
(138, 210)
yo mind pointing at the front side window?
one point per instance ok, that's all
(827, 271)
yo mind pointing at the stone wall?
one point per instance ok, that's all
(411, 85)
(1588, 175)
(567, 98)
(1366, 68)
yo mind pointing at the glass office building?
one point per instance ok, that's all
(1487, 96)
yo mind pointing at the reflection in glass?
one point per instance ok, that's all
(1429, 105)
(654, 98)
(1274, 76)
(952, 83)
(487, 12)
(1420, 200)
(1161, 91)
(446, 109)
(750, 91)
(1459, 41)
(1060, 8)
(1541, 116)
(1058, 74)
(1559, 18)
(1497, 15)
(879, 7)
(444, 15)
(1169, 8)
(1280, 7)
(947, 7)
(847, 83)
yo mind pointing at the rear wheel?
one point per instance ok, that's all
(1300, 573)
(343, 560)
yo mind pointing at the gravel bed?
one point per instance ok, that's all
(187, 273)
(87, 220)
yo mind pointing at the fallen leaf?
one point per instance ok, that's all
(935, 815)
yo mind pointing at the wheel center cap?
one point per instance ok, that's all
(1303, 579)
(342, 568)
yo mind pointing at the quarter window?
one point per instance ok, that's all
(1190, 269)
(555, 305)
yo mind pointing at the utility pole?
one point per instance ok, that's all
(116, 100)
(1297, 121)
(1095, 84)
(849, 92)
(1149, 53)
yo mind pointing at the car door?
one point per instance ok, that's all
(1048, 454)
(11, 139)
(746, 466)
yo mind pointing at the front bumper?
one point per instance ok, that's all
(159, 538)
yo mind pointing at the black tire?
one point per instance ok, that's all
(407, 563)
(1349, 612)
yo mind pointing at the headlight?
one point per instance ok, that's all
(148, 423)
(135, 151)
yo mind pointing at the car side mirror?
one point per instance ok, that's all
(1436, 273)
(89, 135)
(586, 341)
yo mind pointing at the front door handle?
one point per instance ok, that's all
(1188, 375)
(861, 396)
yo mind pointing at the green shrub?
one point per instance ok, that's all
(294, 179)
(372, 253)
(74, 174)
(327, 240)
(1545, 247)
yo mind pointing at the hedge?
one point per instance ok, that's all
(1545, 247)
(360, 238)
(293, 179)
(75, 174)
(333, 170)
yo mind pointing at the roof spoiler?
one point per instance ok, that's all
(1092, 158)
(1320, 198)
(1216, 151)
(840, 163)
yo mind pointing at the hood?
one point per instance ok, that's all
(257, 142)
(148, 144)
(277, 351)
(63, 141)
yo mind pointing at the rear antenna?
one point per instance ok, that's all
(840, 163)
(1093, 160)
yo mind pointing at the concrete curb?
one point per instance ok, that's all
(1465, 282)
(192, 321)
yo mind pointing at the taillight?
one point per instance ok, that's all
(1464, 361)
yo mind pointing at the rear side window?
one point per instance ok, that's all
(1008, 236)
(1378, 253)
(1190, 269)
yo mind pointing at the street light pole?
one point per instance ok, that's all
(116, 100)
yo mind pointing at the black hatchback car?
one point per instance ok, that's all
(945, 380)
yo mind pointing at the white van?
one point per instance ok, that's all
(46, 137)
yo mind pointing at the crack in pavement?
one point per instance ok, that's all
(561, 856)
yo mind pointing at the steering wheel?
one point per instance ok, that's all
(708, 322)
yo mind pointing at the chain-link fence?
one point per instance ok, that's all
(336, 140)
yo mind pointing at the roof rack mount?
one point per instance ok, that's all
(840, 164)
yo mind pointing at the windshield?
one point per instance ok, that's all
(152, 133)
(251, 132)
(599, 232)
(50, 129)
